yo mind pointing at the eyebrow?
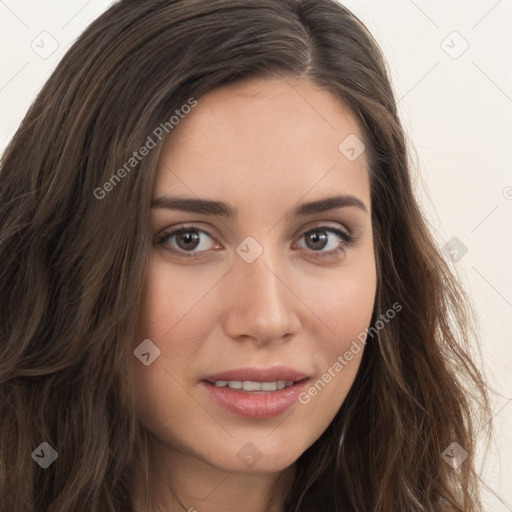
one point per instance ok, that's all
(209, 207)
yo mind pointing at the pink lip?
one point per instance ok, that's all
(258, 374)
(256, 404)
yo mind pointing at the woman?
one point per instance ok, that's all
(219, 292)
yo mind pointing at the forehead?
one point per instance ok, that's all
(263, 136)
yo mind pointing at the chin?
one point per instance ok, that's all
(264, 452)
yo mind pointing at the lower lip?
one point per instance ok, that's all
(255, 404)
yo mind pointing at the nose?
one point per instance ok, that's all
(260, 302)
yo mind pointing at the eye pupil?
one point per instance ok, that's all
(187, 237)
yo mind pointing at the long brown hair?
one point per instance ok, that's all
(73, 265)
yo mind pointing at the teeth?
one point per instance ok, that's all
(248, 385)
(268, 386)
(251, 386)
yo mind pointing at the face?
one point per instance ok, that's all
(274, 293)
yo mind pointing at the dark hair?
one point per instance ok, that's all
(74, 265)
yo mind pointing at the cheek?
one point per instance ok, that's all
(173, 317)
(159, 399)
(343, 304)
(343, 308)
(172, 307)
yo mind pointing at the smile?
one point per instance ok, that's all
(253, 386)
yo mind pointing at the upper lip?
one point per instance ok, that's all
(254, 374)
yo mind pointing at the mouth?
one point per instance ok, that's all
(255, 393)
(251, 386)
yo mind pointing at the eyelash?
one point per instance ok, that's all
(348, 240)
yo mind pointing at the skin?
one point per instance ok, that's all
(264, 146)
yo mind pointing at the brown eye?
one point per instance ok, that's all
(318, 239)
(190, 242)
(185, 240)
